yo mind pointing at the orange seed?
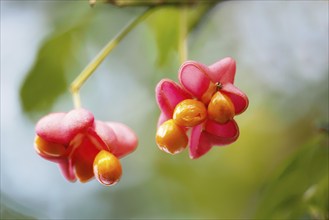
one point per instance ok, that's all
(107, 168)
(48, 148)
(189, 113)
(220, 108)
(171, 138)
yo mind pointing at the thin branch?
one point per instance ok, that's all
(92, 66)
(183, 26)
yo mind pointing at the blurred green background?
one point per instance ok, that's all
(278, 168)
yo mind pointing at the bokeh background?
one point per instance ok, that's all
(278, 168)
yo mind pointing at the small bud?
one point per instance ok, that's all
(171, 138)
(107, 168)
(189, 113)
(220, 108)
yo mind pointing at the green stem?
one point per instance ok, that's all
(92, 66)
(183, 35)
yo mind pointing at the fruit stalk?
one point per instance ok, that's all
(92, 66)
(183, 35)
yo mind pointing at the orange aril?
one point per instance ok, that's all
(171, 138)
(107, 168)
(220, 108)
(189, 113)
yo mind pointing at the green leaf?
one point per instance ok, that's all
(46, 80)
(164, 22)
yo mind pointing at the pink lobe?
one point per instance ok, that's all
(78, 120)
(126, 139)
(193, 77)
(55, 159)
(168, 95)
(49, 128)
(239, 99)
(105, 135)
(62, 127)
(64, 163)
(162, 119)
(199, 144)
(67, 170)
(221, 134)
(223, 71)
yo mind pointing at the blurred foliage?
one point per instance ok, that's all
(299, 187)
(6, 212)
(165, 24)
